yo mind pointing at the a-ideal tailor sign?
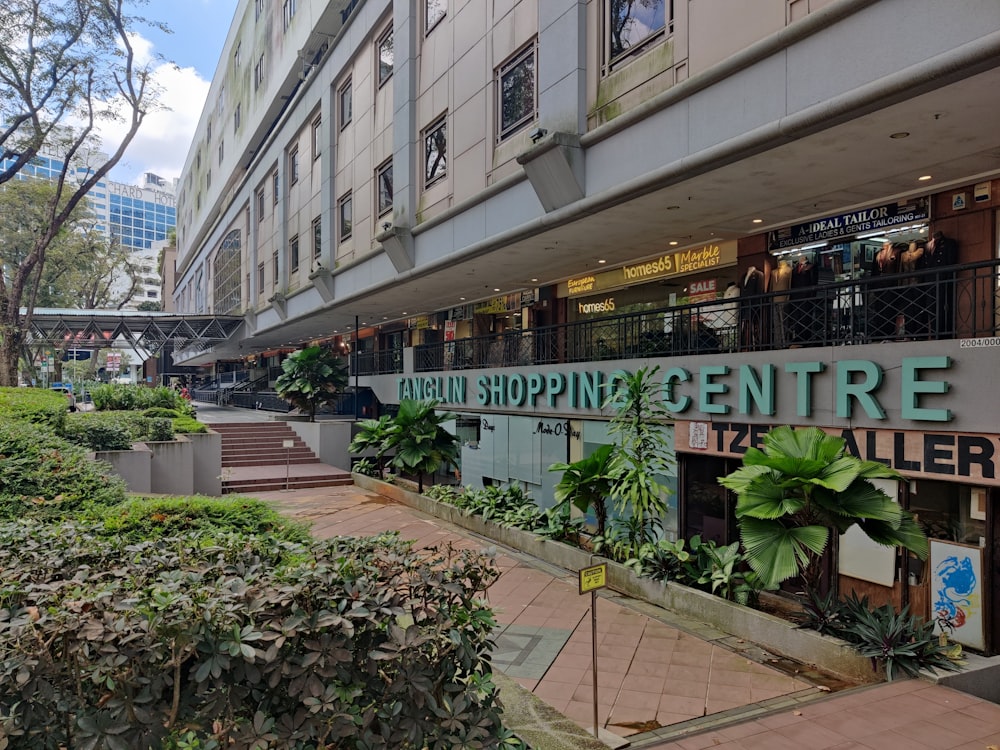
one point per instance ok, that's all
(854, 387)
(875, 219)
(928, 455)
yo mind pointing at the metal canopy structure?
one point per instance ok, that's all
(147, 333)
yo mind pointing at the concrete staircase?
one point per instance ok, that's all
(255, 459)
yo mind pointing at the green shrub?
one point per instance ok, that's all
(99, 432)
(45, 475)
(36, 405)
(146, 518)
(126, 397)
(189, 425)
(160, 411)
(160, 430)
(245, 643)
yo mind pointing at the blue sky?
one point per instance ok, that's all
(199, 31)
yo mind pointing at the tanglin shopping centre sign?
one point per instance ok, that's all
(858, 387)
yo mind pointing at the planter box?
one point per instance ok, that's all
(772, 633)
(206, 450)
(134, 466)
(172, 466)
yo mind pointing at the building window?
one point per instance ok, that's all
(208, 180)
(631, 25)
(258, 9)
(433, 13)
(383, 187)
(274, 187)
(222, 150)
(435, 151)
(345, 104)
(516, 90)
(317, 228)
(260, 278)
(260, 205)
(293, 166)
(274, 266)
(258, 72)
(287, 13)
(344, 212)
(385, 58)
(236, 55)
(226, 264)
(237, 116)
(317, 137)
(208, 131)
(293, 254)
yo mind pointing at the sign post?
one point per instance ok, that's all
(591, 579)
(287, 445)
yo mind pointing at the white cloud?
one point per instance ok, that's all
(163, 140)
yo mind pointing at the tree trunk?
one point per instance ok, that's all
(11, 338)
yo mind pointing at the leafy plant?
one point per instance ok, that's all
(366, 467)
(373, 435)
(802, 487)
(310, 378)
(558, 524)
(443, 493)
(587, 483)
(420, 442)
(825, 614)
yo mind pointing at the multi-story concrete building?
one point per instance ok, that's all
(135, 216)
(790, 206)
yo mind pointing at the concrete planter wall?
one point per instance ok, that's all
(172, 466)
(134, 466)
(773, 633)
(327, 439)
(206, 450)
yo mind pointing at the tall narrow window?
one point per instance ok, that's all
(237, 116)
(385, 57)
(317, 137)
(383, 186)
(631, 25)
(345, 104)
(222, 151)
(287, 13)
(435, 151)
(434, 11)
(317, 227)
(274, 187)
(293, 166)
(293, 253)
(345, 215)
(274, 265)
(260, 205)
(258, 72)
(258, 9)
(236, 55)
(260, 278)
(516, 90)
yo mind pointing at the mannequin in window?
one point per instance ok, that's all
(781, 281)
(941, 254)
(752, 308)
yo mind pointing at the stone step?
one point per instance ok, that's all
(272, 484)
(270, 461)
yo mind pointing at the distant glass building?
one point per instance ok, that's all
(137, 216)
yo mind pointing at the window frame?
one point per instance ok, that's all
(441, 123)
(345, 93)
(529, 50)
(317, 237)
(237, 117)
(275, 275)
(258, 72)
(345, 223)
(611, 60)
(429, 23)
(317, 137)
(275, 184)
(293, 254)
(287, 13)
(383, 208)
(381, 76)
(260, 205)
(293, 165)
(261, 278)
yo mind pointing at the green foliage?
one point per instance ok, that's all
(45, 475)
(506, 505)
(443, 493)
(366, 467)
(116, 430)
(626, 536)
(189, 425)
(310, 378)
(420, 443)
(900, 643)
(373, 435)
(38, 405)
(587, 483)
(160, 429)
(802, 487)
(150, 518)
(128, 397)
(348, 643)
(558, 524)
(161, 411)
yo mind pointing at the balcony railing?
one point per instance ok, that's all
(929, 304)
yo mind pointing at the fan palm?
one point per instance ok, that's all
(422, 445)
(310, 378)
(801, 487)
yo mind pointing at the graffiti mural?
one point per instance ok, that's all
(956, 592)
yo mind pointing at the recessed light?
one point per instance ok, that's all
(602, 261)
(758, 221)
(404, 312)
(673, 243)
(924, 177)
(900, 134)
(462, 299)
(534, 279)
(496, 289)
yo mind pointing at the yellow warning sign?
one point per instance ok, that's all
(593, 578)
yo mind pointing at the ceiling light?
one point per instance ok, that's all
(673, 243)
(462, 299)
(404, 312)
(924, 177)
(534, 279)
(758, 221)
(900, 134)
(496, 289)
(601, 260)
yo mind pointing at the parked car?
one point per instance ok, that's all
(68, 393)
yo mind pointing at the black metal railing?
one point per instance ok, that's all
(923, 305)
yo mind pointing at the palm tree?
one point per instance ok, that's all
(310, 378)
(421, 444)
(801, 487)
(587, 483)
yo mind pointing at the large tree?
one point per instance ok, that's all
(66, 67)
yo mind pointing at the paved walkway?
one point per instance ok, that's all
(663, 682)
